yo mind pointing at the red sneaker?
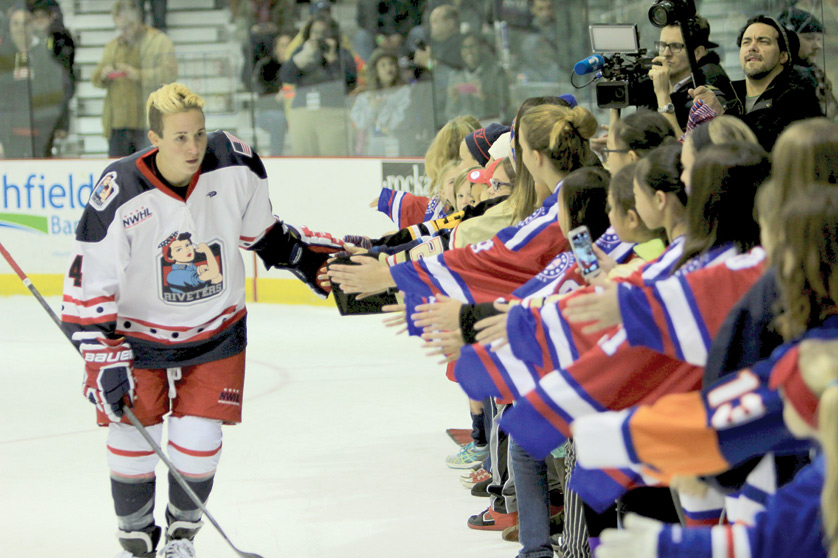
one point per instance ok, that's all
(473, 477)
(490, 520)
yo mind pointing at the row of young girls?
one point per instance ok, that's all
(688, 301)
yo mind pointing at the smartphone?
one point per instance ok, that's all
(583, 248)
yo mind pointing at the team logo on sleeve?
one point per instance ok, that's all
(105, 191)
(189, 272)
(558, 267)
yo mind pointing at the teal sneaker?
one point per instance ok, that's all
(469, 457)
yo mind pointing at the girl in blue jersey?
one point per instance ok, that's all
(801, 519)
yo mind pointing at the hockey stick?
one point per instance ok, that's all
(128, 412)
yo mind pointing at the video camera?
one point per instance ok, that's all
(618, 58)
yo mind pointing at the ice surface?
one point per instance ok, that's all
(341, 452)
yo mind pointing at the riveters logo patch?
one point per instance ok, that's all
(189, 273)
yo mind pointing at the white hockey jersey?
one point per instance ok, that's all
(165, 272)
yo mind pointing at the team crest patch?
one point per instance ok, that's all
(189, 272)
(105, 191)
(557, 267)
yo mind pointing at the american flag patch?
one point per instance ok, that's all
(238, 145)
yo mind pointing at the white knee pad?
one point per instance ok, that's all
(129, 455)
(194, 445)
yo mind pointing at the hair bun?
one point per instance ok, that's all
(584, 121)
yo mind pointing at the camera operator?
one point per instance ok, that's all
(771, 96)
(671, 72)
(323, 73)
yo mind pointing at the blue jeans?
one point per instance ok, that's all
(274, 122)
(533, 503)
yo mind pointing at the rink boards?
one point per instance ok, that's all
(41, 202)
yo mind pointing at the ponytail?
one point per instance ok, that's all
(561, 134)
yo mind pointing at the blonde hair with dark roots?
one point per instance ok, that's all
(819, 370)
(170, 99)
(446, 147)
(561, 134)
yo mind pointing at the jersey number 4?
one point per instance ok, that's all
(75, 271)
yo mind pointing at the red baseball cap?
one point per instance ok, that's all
(483, 176)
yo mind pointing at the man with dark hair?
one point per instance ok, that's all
(771, 96)
(672, 77)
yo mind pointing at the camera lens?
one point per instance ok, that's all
(662, 14)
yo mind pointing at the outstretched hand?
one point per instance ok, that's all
(445, 343)
(367, 277)
(492, 330)
(639, 539)
(601, 308)
(444, 314)
(397, 317)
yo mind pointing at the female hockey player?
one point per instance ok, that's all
(164, 344)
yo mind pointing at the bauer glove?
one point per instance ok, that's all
(109, 378)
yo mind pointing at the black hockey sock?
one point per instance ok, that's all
(134, 502)
(181, 505)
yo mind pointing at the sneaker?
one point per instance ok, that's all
(490, 520)
(473, 477)
(469, 457)
(481, 488)
(510, 534)
(178, 548)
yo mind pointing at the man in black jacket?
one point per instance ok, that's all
(771, 96)
(671, 76)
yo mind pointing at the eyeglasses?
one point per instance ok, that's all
(496, 184)
(606, 151)
(674, 47)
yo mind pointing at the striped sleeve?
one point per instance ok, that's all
(697, 433)
(791, 525)
(681, 315)
(487, 270)
(403, 208)
(91, 286)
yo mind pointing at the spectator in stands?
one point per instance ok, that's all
(323, 72)
(138, 61)
(33, 84)
(539, 52)
(672, 78)
(809, 31)
(769, 98)
(270, 105)
(265, 19)
(442, 54)
(378, 114)
(48, 25)
(473, 15)
(445, 40)
(384, 25)
(479, 88)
